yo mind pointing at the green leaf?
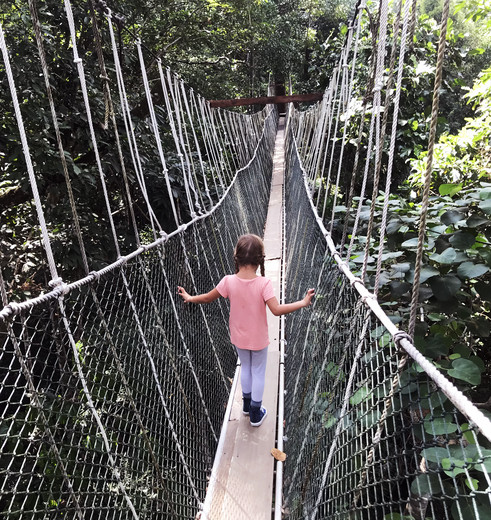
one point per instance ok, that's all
(427, 272)
(439, 426)
(462, 240)
(445, 287)
(471, 270)
(465, 370)
(426, 484)
(449, 189)
(476, 220)
(485, 205)
(451, 216)
(472, 483)
(454, 467)
(435, 454)
(447, 257)
(359, 396)
(412, 242)
(485, 194)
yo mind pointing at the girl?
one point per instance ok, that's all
(249, 294)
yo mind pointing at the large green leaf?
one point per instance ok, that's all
(439, 426)
(485, 205)
(476, 220)
(426, 484)
(452, 216)
(445, 287)
(447, 257)
(465, 370)
(449, 189)
(462, 240)
(471, 270)
(485, 194)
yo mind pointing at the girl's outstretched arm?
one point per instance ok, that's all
(199, 298)
(278, 309)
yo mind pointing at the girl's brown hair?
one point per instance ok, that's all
(249, 251)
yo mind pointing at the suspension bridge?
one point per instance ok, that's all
(118, 401)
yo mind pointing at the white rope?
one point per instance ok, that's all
(461, 402)
(83, 85)
(377, 103)
(395, 115)
(27, 157)
(155, 128)
(196, 144)
(129, 128)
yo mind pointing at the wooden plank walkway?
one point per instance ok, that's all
(241, 487)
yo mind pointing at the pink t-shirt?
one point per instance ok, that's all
(247, 322)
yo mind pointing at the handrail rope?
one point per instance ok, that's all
(129, 128)
(27, 158)
(395, 116)
(13, 308)
(429, 167)
(56, 126)
(461, 402)
(83, 85)
(156, 132)
(377, 107)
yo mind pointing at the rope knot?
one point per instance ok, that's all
(369, 296)
(182, 228)
(163, 235)
(122, 260)
(77, 60)
(12, 309)
(95, 275)
(55, 282)
(356, 279)
(399, 336)
(379, 84)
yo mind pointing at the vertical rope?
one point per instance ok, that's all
(429, 166)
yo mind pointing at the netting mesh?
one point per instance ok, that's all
(368, 434)
(112, 398)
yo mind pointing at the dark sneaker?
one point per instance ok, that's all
(257, 415)
(246, 405)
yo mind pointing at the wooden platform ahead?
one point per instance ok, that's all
(241, 488)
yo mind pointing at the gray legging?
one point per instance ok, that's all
(253, 372)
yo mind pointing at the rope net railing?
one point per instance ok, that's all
(112, 392)
(373, 430)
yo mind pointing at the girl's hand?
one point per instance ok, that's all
(182, 292)
(308, 297)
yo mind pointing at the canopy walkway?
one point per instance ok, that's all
(119, 401)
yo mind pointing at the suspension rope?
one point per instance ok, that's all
(429, 166)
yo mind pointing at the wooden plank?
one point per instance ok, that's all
(300, 98)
